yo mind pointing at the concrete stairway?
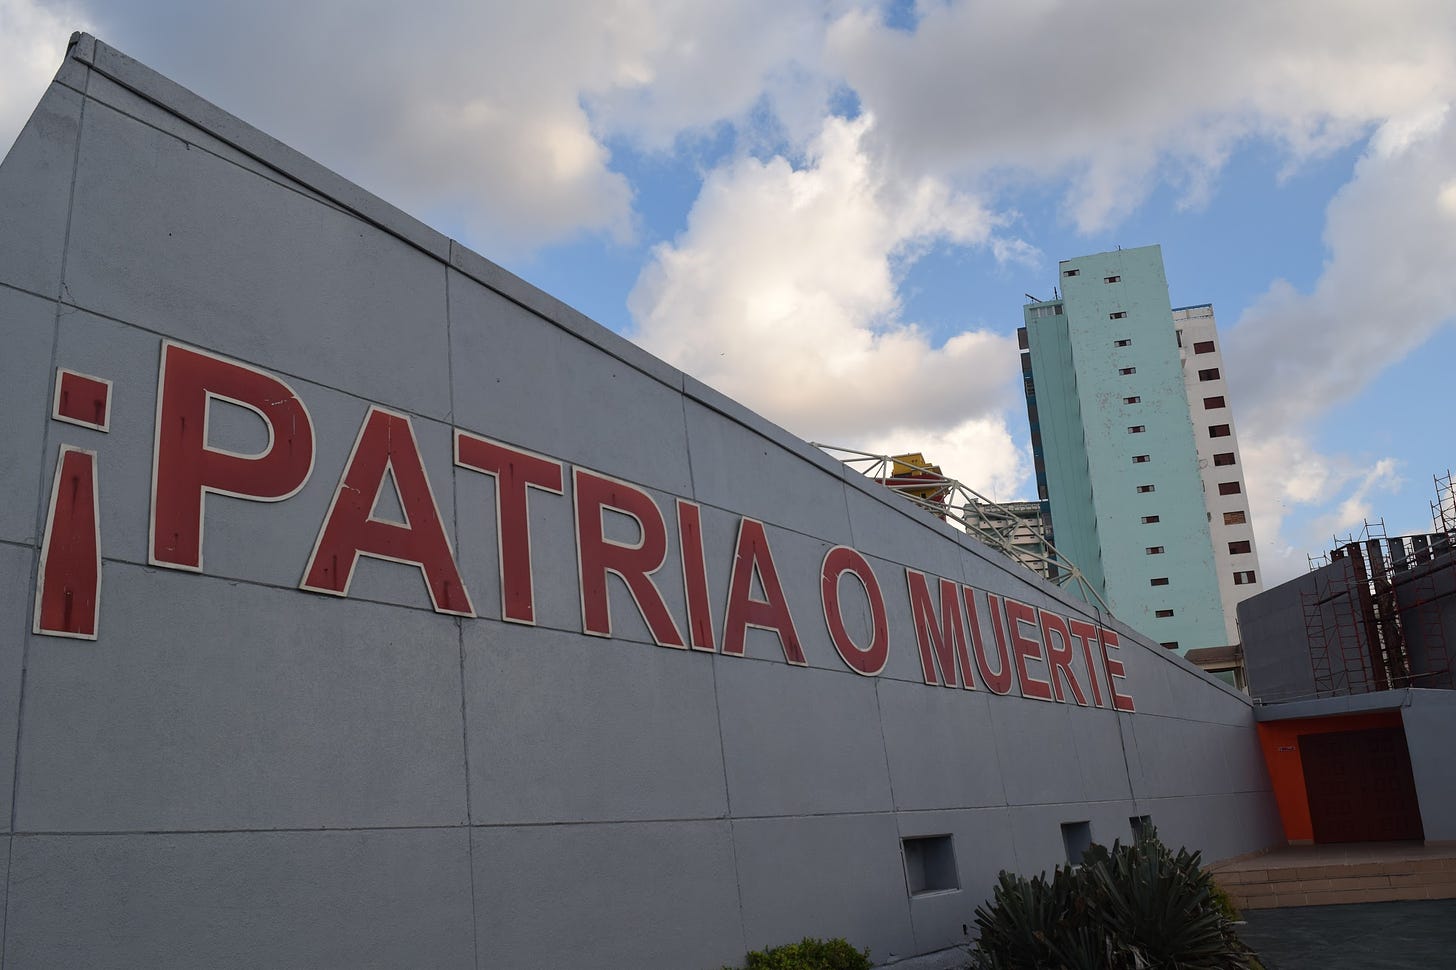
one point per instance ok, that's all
(1321, 875)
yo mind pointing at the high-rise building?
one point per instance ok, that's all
(1134, 448)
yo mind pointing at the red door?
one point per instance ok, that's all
(1360, 786)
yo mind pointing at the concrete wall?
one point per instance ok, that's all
(236, 772)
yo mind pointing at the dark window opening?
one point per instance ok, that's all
(1077, 839)
(1208, 375)
(1219, 431)
(1150, 519)
(1229, 488)
(1137, 429)
(1209, 403)
(1147, 488)
(1154, 550)
(1203, 347)
(1162, 614)
(1139, 459)
(1170, 645)
(930, 865)
(1240, 546)
(1244, 578)
(1160, 581)
(1122, 343)
(1071, 272)
(1235, 518)
(1124, 371)
(1119, 315)
(1135, 399)
(1112, 279)
(1224, 458)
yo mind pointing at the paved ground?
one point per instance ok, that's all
(1418, 935)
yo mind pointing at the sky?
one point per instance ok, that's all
(833, 211)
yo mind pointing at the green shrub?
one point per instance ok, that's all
(1134, 907)
(810, 954)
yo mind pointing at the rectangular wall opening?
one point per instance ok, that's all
(1077, 838)
(930, 865)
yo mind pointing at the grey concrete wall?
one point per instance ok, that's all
(1430, 723)
(1280, 636)
(239, 773)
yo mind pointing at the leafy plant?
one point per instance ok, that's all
(1133, 907)
(810, 954)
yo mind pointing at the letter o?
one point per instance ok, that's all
(869, 660)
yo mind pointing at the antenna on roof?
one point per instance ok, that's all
(1033, 299)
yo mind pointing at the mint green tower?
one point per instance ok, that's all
(1114, 449)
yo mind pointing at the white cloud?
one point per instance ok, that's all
(1118, 95)
(782, 293)
(488, 119)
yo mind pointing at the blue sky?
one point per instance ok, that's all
(832, 210)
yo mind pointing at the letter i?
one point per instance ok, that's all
(68, 583)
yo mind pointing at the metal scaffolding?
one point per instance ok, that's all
(994, 523)
(1376, 622)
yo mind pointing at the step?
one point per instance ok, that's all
(1321, 885)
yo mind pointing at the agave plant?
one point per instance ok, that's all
(1133, 907)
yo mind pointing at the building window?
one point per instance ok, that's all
(1150, 519)
(1154, 550)
(1179, 335)
(1160, 581)
(1208, 375)
(1241, 546)
(1122, 343)
(1119, 315)
(1219, 431)
(1244, 578)
(1224, 458)
(1124, 371)
(1229, 488)
(1209, 403)
(1203, 347)
(1071, 272)
(1135, 399)
(1170, 645)
(1139, 459)
(1162, 614)
(1112, 279)
(1137, 429)
(1147, 488)
(1235, 518)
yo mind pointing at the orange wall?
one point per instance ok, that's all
(1280, 741)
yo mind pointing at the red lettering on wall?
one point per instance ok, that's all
(82, 400)
(386, 447)
(695, 575)
(1086, 634)
(869, 660)
(185, 469)
(1059, 658)
(1025, 648)
(515, 472)
(941, 644)
(998, 680)
(1114, 668)
(68, 586)
(752, 557)
(634, 563)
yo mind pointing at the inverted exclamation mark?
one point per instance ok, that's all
(68, 586)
